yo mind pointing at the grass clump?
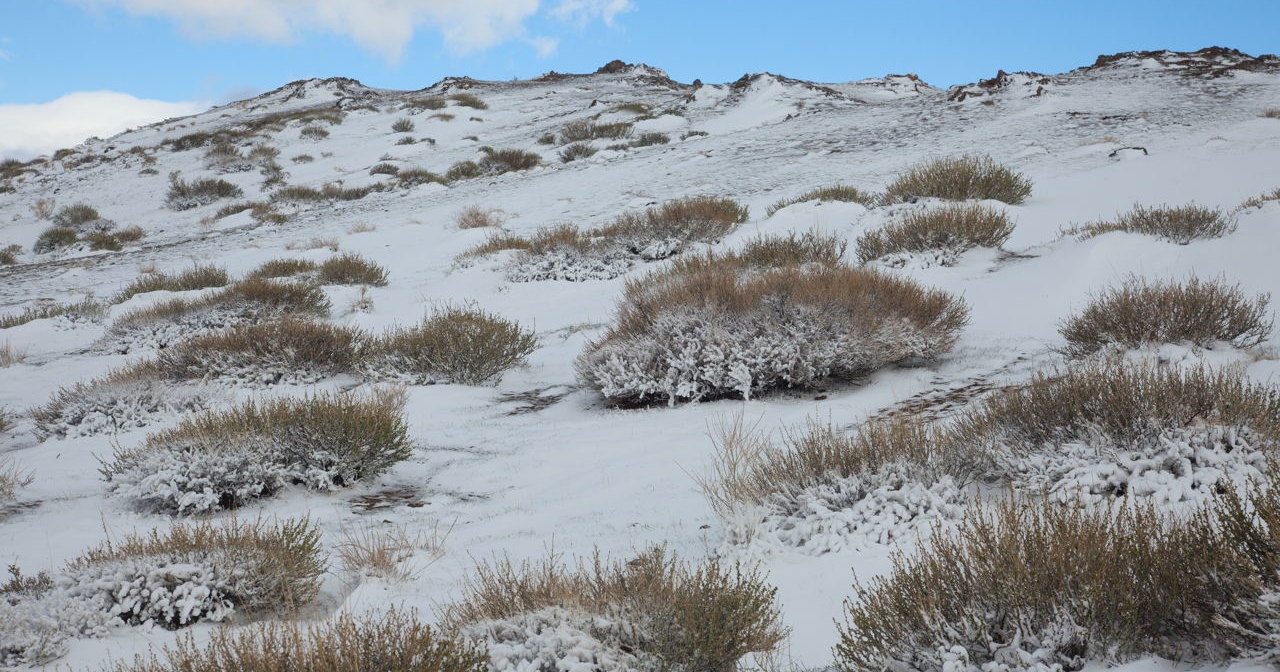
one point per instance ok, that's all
(303, 158)
(468, 100)
(1180, 225)
(284, 268)
(313, 133)
(455, 344)
(286, 350)
(10, 355)
(251, 298)
(196, 277)
(1259, 200)
(959, 179)
(85, 310)
(394, 641)
(79, 217)
(578, 150)
(662, 231)
(12, 477)
(351, 269)
(463, 170)
(650, 139)
(476, 217)
(702, 330)
(384, 168)
(1038, 584)
(1270, 113)
(652, 612)
(184, 195)
(764, 251)
(1199, 312)
(584, 130)
(9, 255)
(836, 192)
(412, 177)
(223, 459)
(402, 125)
(55, 238)
(948, 231)
(499, 161)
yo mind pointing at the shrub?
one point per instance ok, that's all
(823, 490)
(1259, 200)
(402, 125)
(948, 232)
(328, 192)
(653, 612)
(959, 179)
(288, 350)
(1109, 430)
(284, 268)
(10, 355)
(81, 218)
(392, 641)
(412, 177)
(578, 150)
(701, 331)
(313, 133)
(303, 158)
(547, 139)
(85, 310)
(227, 158)
(499, 161)
(1270, 113)
(130, 234)
(585, 129)
(428, 103)
(223, 459)
(1179, 225)
(659, 232)
(196, 277)
(99, 240)
(351, 269)
(764, 252)
(650, 139)
(463, 170)
(203, 571)
(476, 217)
(43, 208)
(454, 344)
(407, 140)
(836, 192)
(384, 168)
(12, 478)
(1036, 585)
(122, 400)
(9, 255)
(185, 195)
(468, 100)
(641, 109)
(1138, 312)
(444, 116)
(383, 550)
(55, 238)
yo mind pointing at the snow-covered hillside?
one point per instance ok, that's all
(537, 462)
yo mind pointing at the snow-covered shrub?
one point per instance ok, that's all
(1033, 585)
(391, 641)
(455, 344)
(476, 217)
(122, 400)
(196, 277)
(227, 158)
(351, 269)
(287, 350)
(584, 130)
(701, 330)
(402, 125)
(822, 490)
(952, 230)
(835, 192)
(247, 300)
(962, 178)
(55, 238)
(654, 612)
(184, 195)
(1200, 312)
(1114, 429)
(222, 459)
(762, 252)
(284, 268)
(499, 161)
(1180, 225)
(578, 150)
(12, 477)
(82, 218)
(85, 310)
(662, 231)
(1259, 200)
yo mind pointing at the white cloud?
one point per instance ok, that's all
(583, 11)
(382, 26)
(545, 46)
(29, 130)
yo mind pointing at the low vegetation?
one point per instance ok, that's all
(81, 218)
(55, 238)
(1180, 225)
(12, 477)
(184, 195)
(945, 232)
(351, 269)
(1259, 200)
(455, 344)
(499, 161)
(288, 350)
(704, 330)
(476, 217)
(585, 130)
(962, 178)
(196, 277)
(10, 355)
(85, 310)
(835, 192)
(1270, 113)
(651, 612)
(284, 268)
(1139, 312)
(578, 150)
(402, 125)
(468, 100)
(223, 459)
(9, 254)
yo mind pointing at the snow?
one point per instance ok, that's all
(514, 477)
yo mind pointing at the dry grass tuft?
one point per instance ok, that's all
(10, 355)
(184, 195)
(476, 217)
(1179, 225)
(959, 179)
(585, 130)
(257, 296)
(402, 125)
(86, 309)
(1259, 200)
(12, 477)
(275, 349)
(383, 550)
(680, 616)
(55, 238)
(1200, 312)
(468, 100)
(954, 228)
(284, 268)
(196, 277)
(1270, 113)
(696, 219)
(499, 161)
(392, 641)
(9, 254)
(457, 344)
(351, 269)
(837, 192)
(578, 150)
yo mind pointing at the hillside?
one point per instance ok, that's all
(534, 460)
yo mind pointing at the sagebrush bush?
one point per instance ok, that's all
(313, 132)
(287, 350)
(578, 150)
(85, 310)
(948, 231)
(476, 217)
(284, 268)
(223, 459)
(961, 178)
(99, 240)
(702, 330)
(402, 125)
(463, 170)
(82, 218)
(392, 641)
(384, 168)
(55, 238)
(468, 100)
(455, 344)
(585, 130)
(351, 269)
(499, 161)
(204, 571)
(412, 177)
(650, 139)
(1180, 225)
(123, 399)
(9, 254)
(765, 251)
(654, 233)
(196, 277)
(1036, 585)
(835, 192)
(1138, 312)
(1259, 200)
(184, 195)
(652, 612)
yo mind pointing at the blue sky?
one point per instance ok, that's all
(203, 51)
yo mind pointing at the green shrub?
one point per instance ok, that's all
(76, 216)
(959, 179)
(454, 344)
(9, 255)
(950, 230)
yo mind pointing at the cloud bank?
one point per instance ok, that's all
(31, 130)
(384, 27)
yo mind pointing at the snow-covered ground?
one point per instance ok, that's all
(508, 476)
